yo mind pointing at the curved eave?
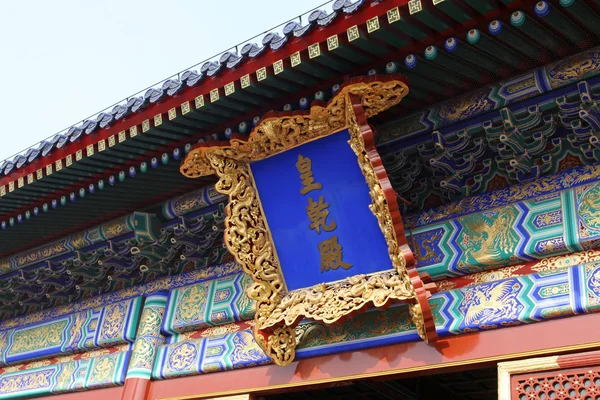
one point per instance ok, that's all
(365, 39)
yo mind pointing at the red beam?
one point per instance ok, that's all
(579, 360)
(135, 389)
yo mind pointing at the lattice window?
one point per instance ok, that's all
(575, 383)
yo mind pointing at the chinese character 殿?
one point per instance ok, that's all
(331, 255)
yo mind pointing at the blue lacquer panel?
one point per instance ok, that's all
(335, 167)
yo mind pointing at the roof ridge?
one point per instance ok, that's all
(171, 85)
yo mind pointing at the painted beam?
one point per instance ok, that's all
(99, 372)
(105, 326)
(476, 103)
(475, 349)
(545, 217)
(547, 293)
(171, 209)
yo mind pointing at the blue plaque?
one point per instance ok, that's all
(316, 203)
(299, 217)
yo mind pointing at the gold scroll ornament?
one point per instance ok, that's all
(248, 239)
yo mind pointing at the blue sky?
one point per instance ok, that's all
(65, 60)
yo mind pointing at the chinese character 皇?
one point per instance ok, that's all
(331, 255)
(304, 166)
(317, 215)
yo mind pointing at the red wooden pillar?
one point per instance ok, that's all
(136, 389)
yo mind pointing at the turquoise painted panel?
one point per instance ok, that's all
(209, 303)
(98, 372)
(220, 353)
(101, 327)
(587, 206)
(118, 322)
(158, 285)
(509, 226)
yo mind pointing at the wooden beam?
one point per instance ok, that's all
(451, 353)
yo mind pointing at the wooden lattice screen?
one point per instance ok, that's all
(573, 376)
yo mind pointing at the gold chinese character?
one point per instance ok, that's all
(317, 215)
(331, 255)
(304, 166)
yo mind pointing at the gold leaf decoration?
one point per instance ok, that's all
(249, 240)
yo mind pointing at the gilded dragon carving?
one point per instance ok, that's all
(248, 238)
(330, 302)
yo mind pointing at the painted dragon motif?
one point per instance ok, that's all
(488, 304)
(488, 238)
(589, 209)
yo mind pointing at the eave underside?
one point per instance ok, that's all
(142, 170)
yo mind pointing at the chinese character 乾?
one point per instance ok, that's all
(317, 215)
(331, 255)
(304, 166)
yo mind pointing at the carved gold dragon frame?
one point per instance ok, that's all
(249, 240)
